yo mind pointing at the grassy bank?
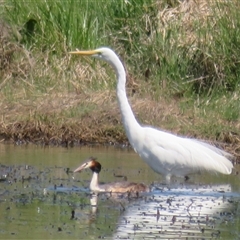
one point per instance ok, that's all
(182, 61)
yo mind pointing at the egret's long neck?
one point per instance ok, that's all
(129, 121)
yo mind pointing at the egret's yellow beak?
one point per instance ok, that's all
(86, 53)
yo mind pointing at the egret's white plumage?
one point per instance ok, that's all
(164, 152)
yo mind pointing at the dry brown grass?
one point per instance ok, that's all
(47, 120)
(187, 13)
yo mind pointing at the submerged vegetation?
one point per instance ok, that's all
(182, 59)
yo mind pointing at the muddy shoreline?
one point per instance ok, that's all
(73, 135)
(65, 136)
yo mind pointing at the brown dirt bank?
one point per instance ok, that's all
(80, 119)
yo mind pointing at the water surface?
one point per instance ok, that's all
(39, 198)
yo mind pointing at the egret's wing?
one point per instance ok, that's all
(214, 148)
(180, 154)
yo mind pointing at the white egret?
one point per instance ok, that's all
(166, 153)
(116, 187)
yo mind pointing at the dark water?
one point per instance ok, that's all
(40, 198)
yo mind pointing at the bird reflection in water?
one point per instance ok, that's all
(119, 191)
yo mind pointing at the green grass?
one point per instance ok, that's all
(168, 52)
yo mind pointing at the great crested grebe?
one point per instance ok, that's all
(164, 152)
(116, 187)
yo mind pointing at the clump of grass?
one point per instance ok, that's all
(215, 64)
(55, 25)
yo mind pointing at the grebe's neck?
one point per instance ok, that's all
(94, 186)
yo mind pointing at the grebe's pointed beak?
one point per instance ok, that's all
(87, 164)
(85, 53)
(80, 168)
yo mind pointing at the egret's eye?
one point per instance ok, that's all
(98, 55)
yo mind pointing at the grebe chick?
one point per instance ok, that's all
(117, 187)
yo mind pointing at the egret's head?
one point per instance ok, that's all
(104, 53)
(91, 163)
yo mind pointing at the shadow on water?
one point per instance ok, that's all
(39, 198)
